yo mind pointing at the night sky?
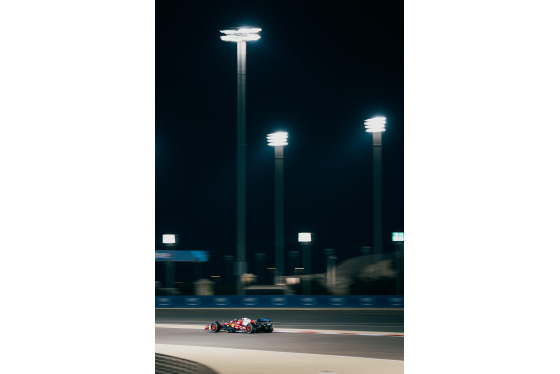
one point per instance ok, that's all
(319, 70)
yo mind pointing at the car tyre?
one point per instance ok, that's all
(215, 327)
(251, 328)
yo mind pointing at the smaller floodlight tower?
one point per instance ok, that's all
(278, 140)
(376, 125)
(169, 240)
(306, 238)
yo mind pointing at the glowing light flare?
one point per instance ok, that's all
(168, 238)
(398, 237)
(277, 139)
(292, 280)
(375, 124)
(304, 237)
(241, 34)
(240, 38)
(242, 30)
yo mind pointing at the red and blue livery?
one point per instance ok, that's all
(243, 324)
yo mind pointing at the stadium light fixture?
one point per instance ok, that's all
(375, 124)
(277, 139)
(168, 239)
(398, 237)
(241, 34)
(304, 237)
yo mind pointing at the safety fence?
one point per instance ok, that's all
(289, 301)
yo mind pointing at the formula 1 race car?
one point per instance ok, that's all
(242, 325)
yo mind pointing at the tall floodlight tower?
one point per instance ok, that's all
(241, 35)
(278, 140)
(376, 125)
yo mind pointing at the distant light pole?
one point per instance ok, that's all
(278, 140)
(331, 275)
(376, 125)
(398, 241)
(305, 238)
(293, 255)
(365, 250)
(259, 257)
(169, 240)
(228, 259)
(241, 35)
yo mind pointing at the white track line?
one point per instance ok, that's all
(335, 332)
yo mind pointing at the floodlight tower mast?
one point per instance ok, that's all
(241, 35)
(376, 125)
(278, 140)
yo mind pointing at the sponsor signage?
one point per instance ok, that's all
(278, 301)
(398, 237)
(367, 300)
(308, 301)
(250, 301)
(281, 301)
(182, 256)
(337, 301)
(192, 301)
(164, 301)
(221, 301)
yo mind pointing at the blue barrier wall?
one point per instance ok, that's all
(280, 301)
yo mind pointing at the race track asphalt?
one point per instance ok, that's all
(299, 341)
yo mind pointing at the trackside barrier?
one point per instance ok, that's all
(168, 364)
(280, 301)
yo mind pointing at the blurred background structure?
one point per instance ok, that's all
(366, 274)
(216, 187)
